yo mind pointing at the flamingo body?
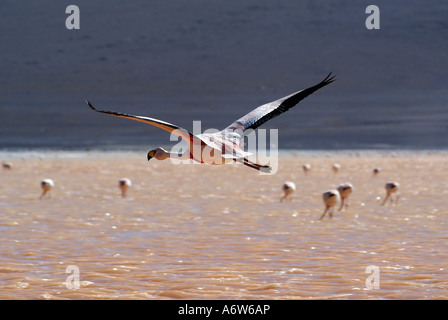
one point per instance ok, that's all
(391, 188)
(46, 185)
(124, 185)
(345, 190)
(288, 188)
(330, 198)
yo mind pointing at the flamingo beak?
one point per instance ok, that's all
(150, 155)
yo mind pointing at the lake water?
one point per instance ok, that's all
(220, 232)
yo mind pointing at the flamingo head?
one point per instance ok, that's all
(151, 154)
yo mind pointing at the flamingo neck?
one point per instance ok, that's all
(162, 154)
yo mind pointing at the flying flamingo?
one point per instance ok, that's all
(331, 198)
(288, 188)
(223, 146)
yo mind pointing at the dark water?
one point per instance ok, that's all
(318, 122)
(216, 61)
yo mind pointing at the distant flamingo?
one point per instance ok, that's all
(288, 188)
(306, 167)
(331, 198)
(7, 165)
(336, 167)
(345, 190)
(391, 187)
(124, 184)
(47, 185)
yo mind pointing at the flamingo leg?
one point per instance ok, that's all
(325, 212)
(256, 166)
(385, 199)
(342, 204)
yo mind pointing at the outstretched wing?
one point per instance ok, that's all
(180, 132)
(263, 113)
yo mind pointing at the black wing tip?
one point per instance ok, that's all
(95, 109)
(90, 105)
(329, 79)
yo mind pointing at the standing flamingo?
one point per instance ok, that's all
(124, 185)
(345, 190)
(391, 188)
(336, 167)
(46, 185)
(7, 165)
(331, 198)
(306, 167)
(288, 188)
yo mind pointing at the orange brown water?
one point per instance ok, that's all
(203, 232)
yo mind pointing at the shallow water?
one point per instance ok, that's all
(202, 232)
